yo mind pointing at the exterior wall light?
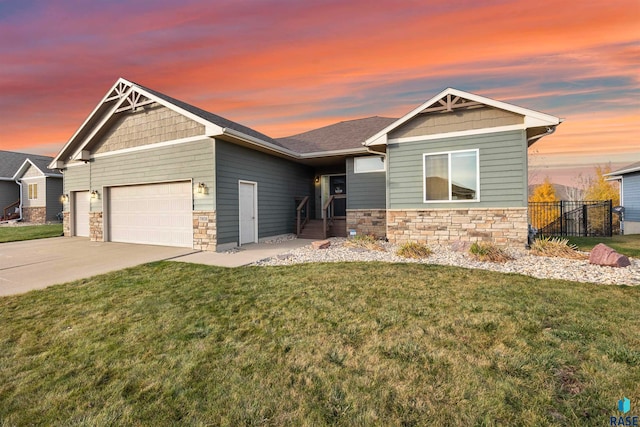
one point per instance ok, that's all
(94, 194)
(202, 188)
(317, 179)
(64, 198)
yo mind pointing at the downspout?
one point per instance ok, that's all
(20, 206)
(386, 190)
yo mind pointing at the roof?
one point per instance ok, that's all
(633, 167)
(449, 97)
(338, 136)
(210, 117)
(11, 161)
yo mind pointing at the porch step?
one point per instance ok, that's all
(313, 229)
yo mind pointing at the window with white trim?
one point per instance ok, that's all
(368, 164)
(451, 176)
(33, 191)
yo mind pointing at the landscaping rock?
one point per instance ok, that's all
(602, 254)
(460, 246)
(321, 244)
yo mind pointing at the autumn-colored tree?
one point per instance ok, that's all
(543, 215)
(600, 189)
(544, 192)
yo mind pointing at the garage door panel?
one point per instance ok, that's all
(158, 214)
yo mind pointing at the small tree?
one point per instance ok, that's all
(544, 192)
(541, 216)
(600, 189)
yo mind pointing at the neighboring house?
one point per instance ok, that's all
(28, 190)
(629, 178)
(147, 168)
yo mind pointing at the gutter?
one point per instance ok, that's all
(550, 130)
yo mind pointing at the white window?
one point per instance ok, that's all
(368, 164)
(33, 191)
(452, 177)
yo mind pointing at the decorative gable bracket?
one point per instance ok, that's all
(450, 103)
(129, 98)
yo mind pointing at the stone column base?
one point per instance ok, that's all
(96, 233)
(66, 224)
(35, 215)
(204, 231)
(368, 221)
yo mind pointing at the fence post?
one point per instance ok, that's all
(561, 218)
(585, 219)
(610, 218)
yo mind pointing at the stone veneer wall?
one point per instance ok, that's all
(367, 221)
(66, 223)
(502, 226)
(34, 215)
(95, 227)
(204, 230)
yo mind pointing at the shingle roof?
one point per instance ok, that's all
(339, 136)
(11, 161)
(213, 118)
(633, 167)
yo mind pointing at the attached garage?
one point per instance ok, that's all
(81, 206)
(153, 214)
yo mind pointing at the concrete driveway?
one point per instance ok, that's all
(36, 264)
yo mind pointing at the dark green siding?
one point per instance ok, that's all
(279, 182)
(9, 193)
(365, 190)
(503, 170)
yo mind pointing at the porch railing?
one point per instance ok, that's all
(329, 212)
(303, 205)
(11, 207)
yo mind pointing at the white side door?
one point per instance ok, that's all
(81, 207)
(248, 199)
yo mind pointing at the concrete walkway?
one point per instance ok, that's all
(36, 264)
(244, 255)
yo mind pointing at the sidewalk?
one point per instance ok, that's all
(246, 254)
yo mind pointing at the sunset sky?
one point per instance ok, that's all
(287, 66)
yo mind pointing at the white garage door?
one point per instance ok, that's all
(81, 203)
(154, 214)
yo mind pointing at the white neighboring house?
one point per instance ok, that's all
(40, 191)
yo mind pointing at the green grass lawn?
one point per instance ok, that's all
(353, 344)
(628, 245)
(29, 232)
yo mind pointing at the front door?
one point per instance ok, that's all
(335, 185)
(248, 212)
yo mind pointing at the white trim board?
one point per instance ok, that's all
(457, 134)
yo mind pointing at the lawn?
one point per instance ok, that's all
(352, 344)
(628, 245)
(29, 232)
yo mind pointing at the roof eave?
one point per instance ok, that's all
(532, 118)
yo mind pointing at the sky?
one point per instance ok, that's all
(287, 66)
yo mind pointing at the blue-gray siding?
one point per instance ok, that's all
(365, 190)
(54, 191)
(503, 170)
(9, 193)
(279, 182)
(631, 196)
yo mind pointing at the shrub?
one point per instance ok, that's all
(488, 252)
(555, 247)
(414, 250)
(366, 241)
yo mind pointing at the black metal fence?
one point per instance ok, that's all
(572, 218)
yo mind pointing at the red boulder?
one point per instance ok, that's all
(602, 254)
